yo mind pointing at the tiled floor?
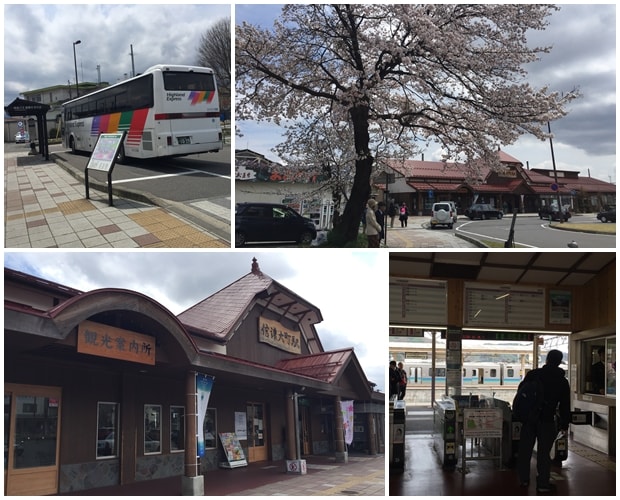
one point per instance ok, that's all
(423, 475)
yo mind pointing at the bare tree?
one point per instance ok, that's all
(409, 73)
(215, 52)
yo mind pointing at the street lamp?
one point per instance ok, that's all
(77, 90)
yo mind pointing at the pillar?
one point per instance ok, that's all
(341, 454)
(372, 435)
(192, 482)
(291, 449)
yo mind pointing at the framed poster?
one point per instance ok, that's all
(560, 306)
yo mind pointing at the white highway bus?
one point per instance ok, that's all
(169, 110)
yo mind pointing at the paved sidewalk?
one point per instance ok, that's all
(45, 207)
(362, 475)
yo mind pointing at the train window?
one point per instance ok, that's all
(510, 372)
(473, 372)
(493, 372)
(440, 372)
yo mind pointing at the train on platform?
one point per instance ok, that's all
(509, 366)
(419, 373)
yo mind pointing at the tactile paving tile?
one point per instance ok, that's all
(75, 207)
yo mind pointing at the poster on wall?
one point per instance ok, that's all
(560, 307)
(240, 425)
(232, 450)
(204, 383)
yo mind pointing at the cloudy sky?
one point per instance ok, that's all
(347, 286)
(38, 41)
(583, 38)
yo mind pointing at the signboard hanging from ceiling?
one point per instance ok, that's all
(418, 302)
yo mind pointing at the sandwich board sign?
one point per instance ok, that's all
(103, 158)
(232, 450)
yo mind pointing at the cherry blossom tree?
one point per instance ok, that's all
(401, 75)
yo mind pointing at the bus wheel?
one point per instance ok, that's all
(120, 157)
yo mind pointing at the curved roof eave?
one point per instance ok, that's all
(70, 313)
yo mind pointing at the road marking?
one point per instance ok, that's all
(490, 237)
(164, 176)
(213, 208)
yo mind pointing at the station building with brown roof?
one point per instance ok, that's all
(101, 386)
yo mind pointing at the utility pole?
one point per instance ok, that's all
(98, 74)
(133, 68)
(555, 175)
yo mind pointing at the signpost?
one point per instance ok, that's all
(103, 159)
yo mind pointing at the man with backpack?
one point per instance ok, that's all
(542, 393)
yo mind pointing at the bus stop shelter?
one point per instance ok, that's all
(22, 107)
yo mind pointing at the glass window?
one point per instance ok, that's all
(152, 429)
(610, 360)
(210, 428)
(107, 430)
(493, 372)
(177, 428)
(36, 421)
(599, 362)
(183, 80)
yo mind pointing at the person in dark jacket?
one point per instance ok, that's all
(556, 400)
(394, 380)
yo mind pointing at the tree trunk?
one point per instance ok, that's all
(347, 229)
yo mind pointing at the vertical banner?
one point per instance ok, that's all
(347, 420)
(204, 383)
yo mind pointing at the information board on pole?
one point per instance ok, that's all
(103, 159)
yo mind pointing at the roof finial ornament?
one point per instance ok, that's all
(255, 269)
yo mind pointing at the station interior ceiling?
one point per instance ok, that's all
(517, 268)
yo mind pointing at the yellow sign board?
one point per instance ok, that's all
(110, 342)
(275, 334)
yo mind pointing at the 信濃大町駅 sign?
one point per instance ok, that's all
(277, 335)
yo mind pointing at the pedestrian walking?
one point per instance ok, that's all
(552, 395)
(373, 228)
(404, 215)
(380, 216)
(392, 212)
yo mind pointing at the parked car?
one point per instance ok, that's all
(552, 213)
(483, 211)
(22, 136)
(608, 215)
(442, 214)
(269, 222)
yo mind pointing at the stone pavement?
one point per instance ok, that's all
(418, 234)
(361, 476)
(46, 207)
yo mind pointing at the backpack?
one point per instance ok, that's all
(528, 402)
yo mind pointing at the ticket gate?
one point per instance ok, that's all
(445, 433)
(397, 434)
